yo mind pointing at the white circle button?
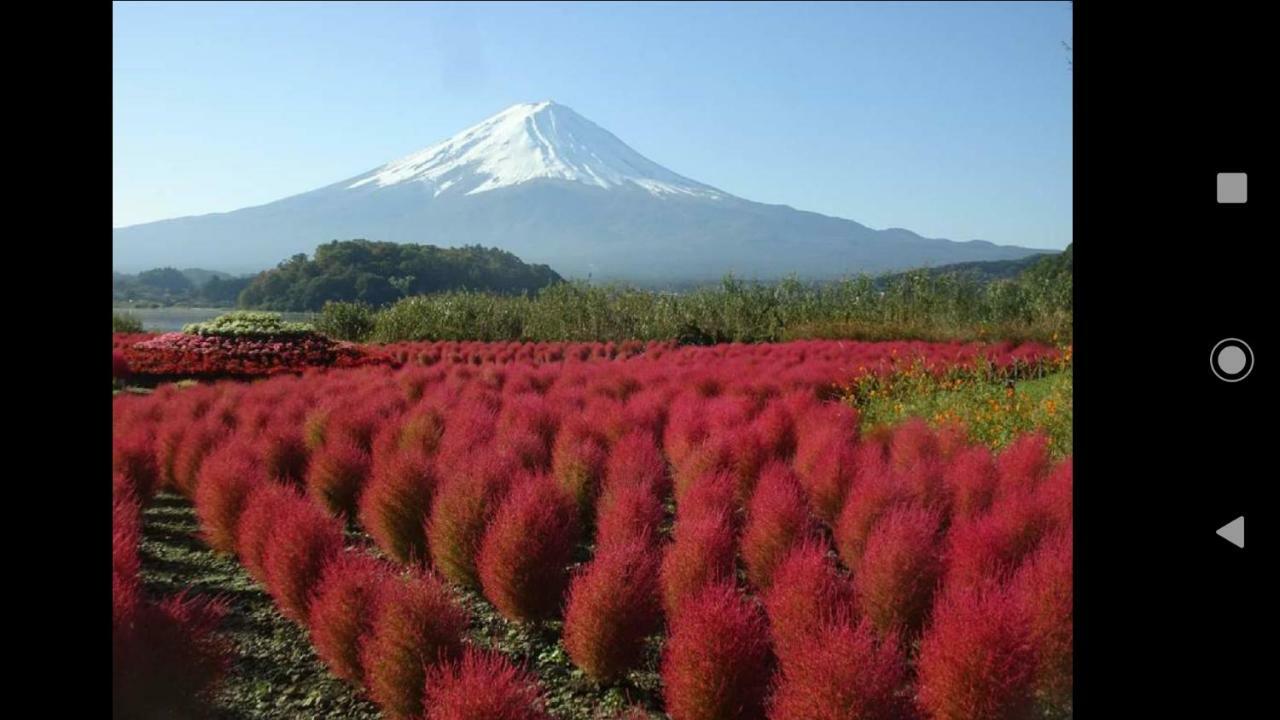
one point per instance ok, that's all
(1231, 360)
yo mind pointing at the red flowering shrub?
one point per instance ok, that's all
(1023, 464)
(636, 459)
(422, 430)
(460, 512)
(613, 605)
(526, 551)
(199, 440)
(341, 614)
(166, 660)
(717, 662)
(1042, 588)
(777, 520)
(827, 476)
(993, 545)
(1055, 494)
(415, 624)
(913, 442)
(628, 511)
(977, 658)
(900, 569)
(263, 508)
(701, 555)
(212, 356)
(225, 481)
(284, 455)
(970, 479)
(874, 494)
(133, 458)
(806, 596)
(577, 462)
(844, 672)
(126, 531)
(119, 366)
(336, 476)
(304, 540)
(395, 505)
(482, 685)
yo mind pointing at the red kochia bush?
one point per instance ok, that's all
(341, 614)
(337, 475)
(119, 366)
(226, 478)
(777, 519)
(482, 685)
(874, 494)
(415, 624)
(263, 509)
(993, 545)
(636, 460)
(711, 493)
(134, 459)
(628, 511)
(912, 442)
(827, 474)
(977, 659)
(806, 596)
(900, 569)
(304, 540)
(577, 462)
(701, 555)
(613, 605)
(1023, 464)
(970, 480)
(526, 551)
(1042, 588)
(395, 504)
(126, 530)
(460, 512)
(196, 444)
(842, 673)
(166, 660)
(717, 661)
(284, 455)
(1055, 493)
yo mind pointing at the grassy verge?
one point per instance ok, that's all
(994, 411)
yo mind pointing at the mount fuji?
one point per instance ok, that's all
(549, 185)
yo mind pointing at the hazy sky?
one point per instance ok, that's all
(950, 119)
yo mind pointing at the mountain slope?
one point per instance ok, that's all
(543, 182)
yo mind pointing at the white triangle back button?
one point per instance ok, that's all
(1233, 532)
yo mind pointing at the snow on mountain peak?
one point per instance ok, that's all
(532, 141)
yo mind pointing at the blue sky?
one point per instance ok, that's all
(950, 119)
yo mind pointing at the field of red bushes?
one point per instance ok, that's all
(713, 495)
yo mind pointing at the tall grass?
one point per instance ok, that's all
(125, 323)
(918, 305)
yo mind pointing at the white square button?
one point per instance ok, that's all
(1233, 188)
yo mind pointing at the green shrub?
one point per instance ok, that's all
(915, 305)
(352, 321)
(125, 323)
(243, 322)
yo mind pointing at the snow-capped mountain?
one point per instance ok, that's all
(551, 186)
(535, 141)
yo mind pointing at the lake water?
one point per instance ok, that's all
(172, 319)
